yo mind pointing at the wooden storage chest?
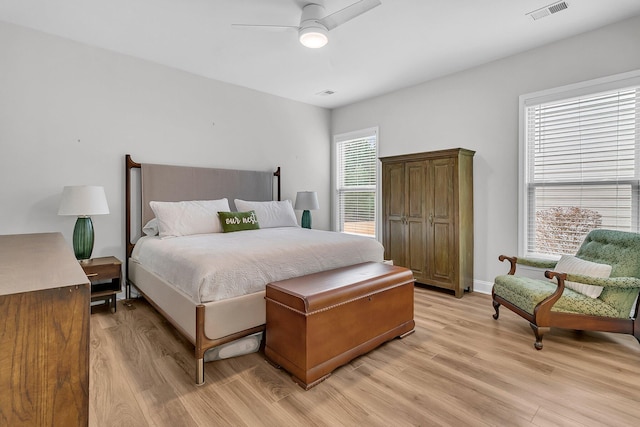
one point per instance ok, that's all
(321, 321)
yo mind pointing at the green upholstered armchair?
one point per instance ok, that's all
(547, 303)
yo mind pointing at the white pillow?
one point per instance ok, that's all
(572, 265)
(151, 228)
(191, 217)
(270, 214)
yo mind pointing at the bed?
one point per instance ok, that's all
(208, 283)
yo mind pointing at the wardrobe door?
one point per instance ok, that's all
(415, 222)
(393, 195)
(441, 217)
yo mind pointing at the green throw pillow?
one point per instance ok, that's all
(238, 221)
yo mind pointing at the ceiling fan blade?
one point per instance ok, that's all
(266, 27)
(348, 13)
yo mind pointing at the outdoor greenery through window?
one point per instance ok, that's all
(581, 167)
(356, 180)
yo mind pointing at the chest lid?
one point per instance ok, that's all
(325, 289)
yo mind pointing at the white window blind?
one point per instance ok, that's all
(582, 161)
(356, 178)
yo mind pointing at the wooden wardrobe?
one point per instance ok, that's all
(428, 216)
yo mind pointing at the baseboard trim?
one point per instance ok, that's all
(482, 287)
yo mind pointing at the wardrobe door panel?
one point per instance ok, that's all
(395, 178)
(415, 176)
(443, 262)
(443, 182)
(395, 246)
(416, 252)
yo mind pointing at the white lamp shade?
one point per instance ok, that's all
(83, 200)
(307, 200)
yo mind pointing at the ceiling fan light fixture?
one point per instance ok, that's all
(313, 31)
(313, 37)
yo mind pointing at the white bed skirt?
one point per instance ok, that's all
(222, 318)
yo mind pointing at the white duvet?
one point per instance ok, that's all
(211, 267)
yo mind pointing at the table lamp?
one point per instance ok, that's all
(306, 201)
(83, 201)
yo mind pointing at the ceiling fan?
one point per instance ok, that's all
(315, 26)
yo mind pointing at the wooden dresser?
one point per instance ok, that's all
(427, 209)
(44, 333)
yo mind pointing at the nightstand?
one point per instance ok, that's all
(105, 275)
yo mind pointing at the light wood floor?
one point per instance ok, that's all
(460, 368)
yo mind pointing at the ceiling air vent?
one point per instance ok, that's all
(325, 93)
(548, 10)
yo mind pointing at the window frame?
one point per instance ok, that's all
(349, 136)
(586, 88)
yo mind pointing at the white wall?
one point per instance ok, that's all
(478, 109)
(69, 113)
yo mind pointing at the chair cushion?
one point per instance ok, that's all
(572, 265)
(526, 293)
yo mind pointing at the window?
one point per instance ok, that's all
(581, 165)
(356, 182)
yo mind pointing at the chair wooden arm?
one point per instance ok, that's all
(512, 260)
(542, 311)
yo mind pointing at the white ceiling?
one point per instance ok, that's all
(397, 44)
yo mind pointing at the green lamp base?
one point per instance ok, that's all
(306, 219)
(83, 238)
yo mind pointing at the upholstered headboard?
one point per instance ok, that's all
(177, 183)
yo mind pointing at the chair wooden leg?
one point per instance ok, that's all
(496, 307)
(539, 333)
